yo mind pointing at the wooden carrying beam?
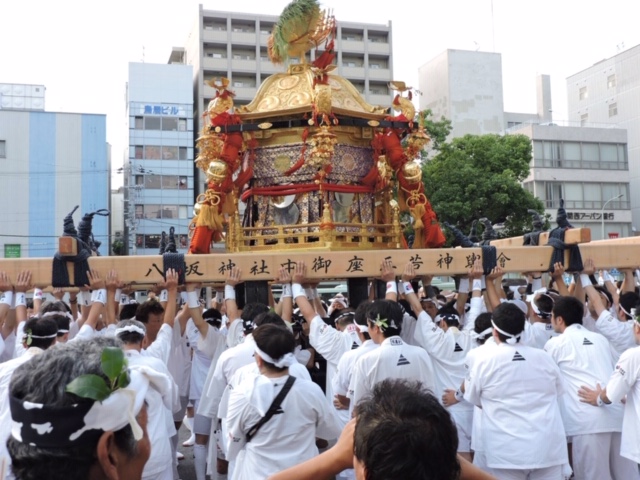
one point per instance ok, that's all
(573, 236)
(212, 268)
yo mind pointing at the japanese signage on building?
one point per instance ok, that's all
(166, 110)
(590, 216)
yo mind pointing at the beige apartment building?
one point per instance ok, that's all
(234, 45)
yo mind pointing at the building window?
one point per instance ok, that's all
(170, 124)
(611, 81)
(613, 109)
(182, 151)
(583, 94)
(584, 118)
(152, 123)
(138, 149)
(139, 123)
(182, 124)
(3, 149)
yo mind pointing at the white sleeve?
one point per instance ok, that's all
(327, 424)
(472, 384)
(432, 338)
(8, 347)
(235, 333)
(407, 333)
(624, 376)
(359, 387)
(210, 344)
(86, 332)
(340, 381)
(474, 310)
(161, 346)
(236, 424)
(617, 332)
(216, 389)
(328, 342)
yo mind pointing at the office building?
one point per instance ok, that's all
(609, 92)
(51, 163)
(158, 183)
(234, 45)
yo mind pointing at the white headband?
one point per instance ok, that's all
(361, 328)
(285, 361)
(511, 338)
(482, 334)
(130, 329)
(63, 314)
(539, 312)
(447, 316)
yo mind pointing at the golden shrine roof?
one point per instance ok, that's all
(294, 93)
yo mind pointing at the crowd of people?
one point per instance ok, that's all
(487, 381)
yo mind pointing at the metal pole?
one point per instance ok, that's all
(602, 211)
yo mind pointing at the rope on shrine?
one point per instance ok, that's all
(489, 258)
(556, 240)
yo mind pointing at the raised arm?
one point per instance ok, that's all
(299, 296)
(193, 301)
(233, 278)
(285, 303)
(171, 285)
(558, 279)
(113, 285)
(388, 276)
(6, 287)
(491, 289)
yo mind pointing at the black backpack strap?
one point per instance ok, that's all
(275, 405)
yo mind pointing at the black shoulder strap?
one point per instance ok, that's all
(275, 405)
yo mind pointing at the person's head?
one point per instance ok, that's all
(96, 452)
(482, 327)
(402, 431)
(249, 313)
(63, 321)
(344, 318)
(274, 348)
(542, 306)
(430, 306)
(508, 322)
(447, 317)
(566, 311)
(269, 318)
(54, 306)
(384, 320)
(128, 311)
(213, 317)
(360, 319)
(131, 333)
(626, 302)
(151, 313)
(40, 332)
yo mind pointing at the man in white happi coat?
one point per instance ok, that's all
(518, 388)
(623, 385)
(586, 358)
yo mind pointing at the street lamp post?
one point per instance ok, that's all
(602, 211)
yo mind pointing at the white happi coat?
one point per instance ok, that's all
(393, 359)
(288, 438)
(625, 380)
(584, 358)
(518, 388)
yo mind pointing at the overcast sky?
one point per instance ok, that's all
(80, 49)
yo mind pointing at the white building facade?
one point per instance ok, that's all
(51, 163)
(609, 92)
(158, 186)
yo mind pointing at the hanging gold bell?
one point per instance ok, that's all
(217, 171)
(412, 172)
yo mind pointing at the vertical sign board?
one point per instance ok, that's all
(12, 250)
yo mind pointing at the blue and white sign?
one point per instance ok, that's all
(166, 110)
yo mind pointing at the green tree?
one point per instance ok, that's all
(438, 130)
(479, 176)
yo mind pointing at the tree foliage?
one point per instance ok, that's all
(479, 176)
(438, 130)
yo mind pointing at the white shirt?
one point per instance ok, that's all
(180, 359)
(161, 346)
(625, 380)
(584, 358)
(517, 387)
(619, 334)
(160, 426)
(205, 351)
(8, 347)
(6, 371)
(288, 438)
(235, 333)
(344, 370)
(393, 359)
(448, 351)
(212, 404)
(537, 334)
(332, 344)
